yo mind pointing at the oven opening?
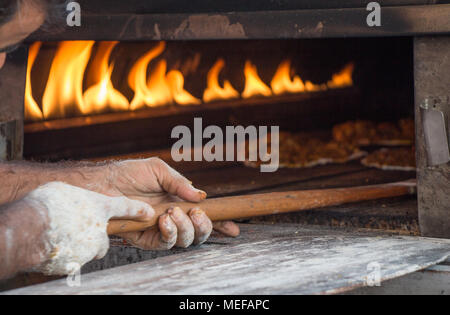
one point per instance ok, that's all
(344, 110)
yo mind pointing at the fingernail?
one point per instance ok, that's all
(173, 210)
(144, 213)
(202, 194)
(196, 214)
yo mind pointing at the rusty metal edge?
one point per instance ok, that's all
(322, 23)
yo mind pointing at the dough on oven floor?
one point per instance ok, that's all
(396, 159)
(302, 150)
(365, 133)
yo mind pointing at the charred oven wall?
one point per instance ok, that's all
(12, 87)
(432, 84)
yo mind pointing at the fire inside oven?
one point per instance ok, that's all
(87, 99)
(80, 80)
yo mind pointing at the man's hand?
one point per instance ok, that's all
(153, 181)
(150, 180)
(77, 223)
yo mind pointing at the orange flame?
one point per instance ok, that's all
(32, 110)
(103, 96)
(213, 90)
(158, 86)
(311, 87)
(63, 95)
(64, 89)
(282, 83)
(175, 80)
(159, 89)
(343, 78)
(254, 86)
(137, 79)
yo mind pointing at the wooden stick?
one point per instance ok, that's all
(240, 207)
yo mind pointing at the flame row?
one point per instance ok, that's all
(63, 95)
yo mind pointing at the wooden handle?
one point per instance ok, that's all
(240, 207)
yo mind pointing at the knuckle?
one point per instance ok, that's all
(184, 245)
(179, 181)
(200, 219)
(147, 210)
(140, 207)
(165, 243)
(202, 237)
(155, 161)
(203, 225)
(204, 229)
(186, 238)
(168, 233)
(178, 216)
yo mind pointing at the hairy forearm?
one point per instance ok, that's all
(22, 237)
(19, 178)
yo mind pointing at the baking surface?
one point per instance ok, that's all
(267, 259)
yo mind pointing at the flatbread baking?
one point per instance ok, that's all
(366, 133)
(301, 150)
(397, 159)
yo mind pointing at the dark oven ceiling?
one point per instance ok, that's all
(201, 19)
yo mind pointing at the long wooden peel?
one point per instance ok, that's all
(240, 207)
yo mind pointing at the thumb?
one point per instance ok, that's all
(128, 209)
(184, 190)
(176, 184)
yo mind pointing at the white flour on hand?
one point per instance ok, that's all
(78, 223)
